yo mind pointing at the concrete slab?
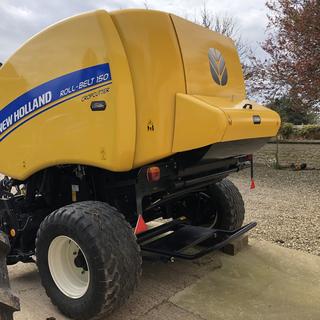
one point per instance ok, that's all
(264, 281)
(159, 282)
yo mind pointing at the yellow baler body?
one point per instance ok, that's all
(152, 71)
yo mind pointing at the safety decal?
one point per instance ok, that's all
(57, 90)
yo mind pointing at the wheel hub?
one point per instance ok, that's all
(80, 261)
(68, 267)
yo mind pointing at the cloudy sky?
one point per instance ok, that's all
(20, 19)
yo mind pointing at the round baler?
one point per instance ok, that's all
(111, 120)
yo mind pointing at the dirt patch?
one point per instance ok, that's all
(286, 205)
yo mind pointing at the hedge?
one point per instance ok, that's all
(305, 132)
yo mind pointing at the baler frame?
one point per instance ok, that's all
(177, 181)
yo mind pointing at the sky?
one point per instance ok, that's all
(21, 19)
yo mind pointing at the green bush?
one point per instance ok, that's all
(286, 130)
(310, 132)
(306, 132)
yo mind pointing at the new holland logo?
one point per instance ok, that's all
(218, 67)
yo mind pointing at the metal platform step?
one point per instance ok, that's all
(182, 240)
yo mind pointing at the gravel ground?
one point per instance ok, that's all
(286, 206)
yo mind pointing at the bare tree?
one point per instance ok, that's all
(207, 18)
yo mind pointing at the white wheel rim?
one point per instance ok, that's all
(71, 279)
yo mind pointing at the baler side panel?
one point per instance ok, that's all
(65, 60)
(195, 42)
(157, 71)
(214, 109)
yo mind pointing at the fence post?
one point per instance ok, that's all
(8, 302)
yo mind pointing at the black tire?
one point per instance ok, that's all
(220, 206)
(111, 251)
(229, 204)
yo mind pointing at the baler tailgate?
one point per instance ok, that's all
(181, 240)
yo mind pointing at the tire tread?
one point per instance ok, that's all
(120, 258)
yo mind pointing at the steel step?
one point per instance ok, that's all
(181, 240)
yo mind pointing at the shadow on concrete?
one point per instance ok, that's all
(263, 281)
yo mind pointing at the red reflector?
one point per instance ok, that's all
(153, 174)
(252, 185)
(140, 226)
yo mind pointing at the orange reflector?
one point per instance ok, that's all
(252, 185)
(153, 174)
(140, 226)
(12, 233)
